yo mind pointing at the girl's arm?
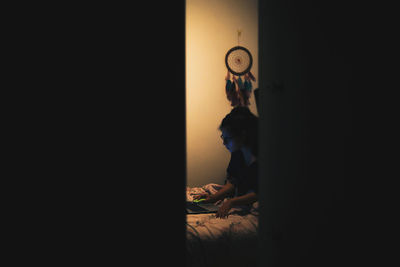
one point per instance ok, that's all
(224, 191)
(246, 199)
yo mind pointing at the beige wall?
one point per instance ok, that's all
(211, 30)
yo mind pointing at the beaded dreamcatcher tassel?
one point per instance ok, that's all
(239, 91)
(247, 88)
(231, 90)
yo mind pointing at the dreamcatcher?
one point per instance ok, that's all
(239, 61)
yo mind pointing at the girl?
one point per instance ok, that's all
(239, 134)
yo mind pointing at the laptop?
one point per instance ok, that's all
(197, 208)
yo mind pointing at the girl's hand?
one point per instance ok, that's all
(207, 198)
(200, 196)
(223, 211)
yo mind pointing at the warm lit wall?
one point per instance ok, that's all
(211, 30)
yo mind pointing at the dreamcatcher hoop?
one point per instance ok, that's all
(238, 60)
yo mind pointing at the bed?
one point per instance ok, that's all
(212, 241)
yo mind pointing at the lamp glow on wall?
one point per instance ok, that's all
(211, 30)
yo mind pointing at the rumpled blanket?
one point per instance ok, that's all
(213, 241)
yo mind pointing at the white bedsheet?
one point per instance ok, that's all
(213, 241)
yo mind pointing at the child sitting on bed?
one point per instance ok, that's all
(239, 134)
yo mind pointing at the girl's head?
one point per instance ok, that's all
(240, 128)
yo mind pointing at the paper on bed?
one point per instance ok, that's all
(208, 188)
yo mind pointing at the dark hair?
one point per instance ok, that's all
(240, 122)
